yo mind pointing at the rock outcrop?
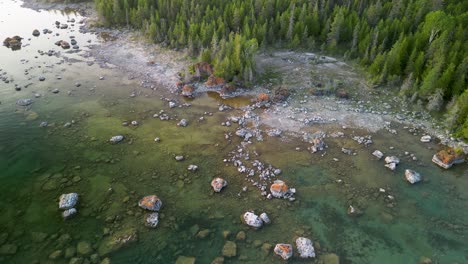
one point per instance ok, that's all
(448, 157)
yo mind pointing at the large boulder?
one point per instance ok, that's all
(252, 220)
(151, 203)
(284, 250)
(218, 184)
(36, 33)
(279, 189)
(305, 247)
(448, 157)
(68, 201)
(412, 176)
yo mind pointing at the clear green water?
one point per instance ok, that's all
(38, 164)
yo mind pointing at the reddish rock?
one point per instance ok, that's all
(214, 81)
(263, 97)
(150, 202)
(448, 157)
(284, 250)
(187, 90)
(179, 84)
(278, 189)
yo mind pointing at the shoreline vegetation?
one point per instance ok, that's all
(417, 46)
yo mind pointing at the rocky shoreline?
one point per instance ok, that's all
(311, 117)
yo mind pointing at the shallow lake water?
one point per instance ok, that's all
(38, 164)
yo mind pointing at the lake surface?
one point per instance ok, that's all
(38, 164)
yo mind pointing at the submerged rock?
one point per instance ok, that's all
(68, 201)
(252, 220)
(284, 250)
(305, 247)
(448, 157)
(116, 139)
(218, 184)
(412, 176)
(150, 202)
(230, 249)
(152, 220)
(24, 102)
(117, 240)
(185, 260)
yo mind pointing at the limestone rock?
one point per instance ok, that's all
(152, 220)
(116, 139)
(426, 139)
(252, 220)
(284, 250)
(218, 184)
(265, 218)
(305, 247)
(378, 154)
(412, 176)
(183, 123)
(68, 201)
(67, 214)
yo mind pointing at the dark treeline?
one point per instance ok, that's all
(419, 45)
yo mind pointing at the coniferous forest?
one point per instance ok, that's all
(418, 45)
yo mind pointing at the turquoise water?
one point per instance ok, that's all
(38, 164)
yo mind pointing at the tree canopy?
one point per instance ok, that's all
(421, 44)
